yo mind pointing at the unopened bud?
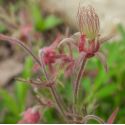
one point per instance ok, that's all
(31, 116)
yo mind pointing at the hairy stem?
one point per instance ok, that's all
(77, 84)
(58, 102)
(79, 76)
(92, 117)
(54, 93)
(52, 88)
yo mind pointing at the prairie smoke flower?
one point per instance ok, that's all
(87, 41)
(49, 55)
(89, 26)
(31, 116)
(88, 22)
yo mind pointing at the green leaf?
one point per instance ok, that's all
(86, 84)
(100, 78)
(27, 72)
(50, 116)
(9, 102)
(22, 88)
(41, 23)
(51, 22)
(11, 119)
(37, 16)
(106, 91)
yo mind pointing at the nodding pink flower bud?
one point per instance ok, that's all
(49, 55)
(31, 116)
(88, 22)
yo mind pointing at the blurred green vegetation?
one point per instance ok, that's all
(41, 23)
(101, 93)
(15, 104)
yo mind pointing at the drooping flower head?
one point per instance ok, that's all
(31, 116)
(88, 22)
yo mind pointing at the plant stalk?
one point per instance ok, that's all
(92, 117)
(52, 88)
(54, 93)
(79, 76)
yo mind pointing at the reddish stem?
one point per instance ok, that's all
(52, 88)
(54, 93)
(79, 76)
